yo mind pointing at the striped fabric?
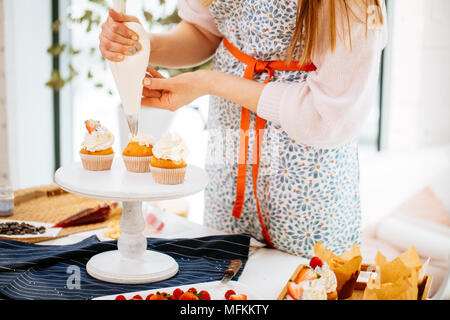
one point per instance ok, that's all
(33, 272)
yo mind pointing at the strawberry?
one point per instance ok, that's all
(120, 297)
(188, 296)
(229, 293)
(294, 290)
(160, 296)
(204, 295)
(192, 290)
(137, 297)
(306, 274)
(238, 297)
(91, 125)
(315, 262)
(149, 296)
(177, 293)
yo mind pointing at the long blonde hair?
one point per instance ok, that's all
(306, 30)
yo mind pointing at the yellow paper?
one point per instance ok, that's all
(346, 267)
(398, 278)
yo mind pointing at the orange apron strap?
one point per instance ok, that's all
(243, 147)
(259, 127)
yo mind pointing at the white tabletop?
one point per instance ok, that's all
(266, 271)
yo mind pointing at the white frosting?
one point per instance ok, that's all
(170, 147)
(97, 140)
(313, 290)
(143, 139)
(328, 278)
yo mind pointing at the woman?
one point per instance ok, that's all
(304, 75)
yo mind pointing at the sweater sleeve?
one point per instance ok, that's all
(194, 12)
(330, 106)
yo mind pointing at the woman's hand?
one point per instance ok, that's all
(173, 93)
(116, 39)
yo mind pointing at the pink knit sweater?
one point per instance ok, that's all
(330, 107)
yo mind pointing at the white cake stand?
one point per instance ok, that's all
(132, 263)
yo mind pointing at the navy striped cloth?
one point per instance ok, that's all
(35, 272)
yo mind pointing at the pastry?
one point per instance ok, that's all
(168, 164)
(314, 282)
(138, 153)
(346, 267)
(327, 277)
(97, 153)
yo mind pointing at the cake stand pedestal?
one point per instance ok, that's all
(132, 263)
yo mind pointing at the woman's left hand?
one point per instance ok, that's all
(173, 93)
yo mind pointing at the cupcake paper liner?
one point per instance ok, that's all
(137, 164)
(168, 176)
(97, 163)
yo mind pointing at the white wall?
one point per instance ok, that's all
(416, 133)
(29, 102)
(4, 160)
(418, 111)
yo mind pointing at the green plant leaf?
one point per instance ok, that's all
(148, 16)
(56, 25)
(73, 51)
(56, 49)
(56, 82)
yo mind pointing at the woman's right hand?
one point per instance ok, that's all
(116, 39)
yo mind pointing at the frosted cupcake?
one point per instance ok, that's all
(168, 164)
(96, 152)
(328, 278)
(138, 153)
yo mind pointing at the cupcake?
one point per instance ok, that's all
(328, 278)
(138, 153)
(97, 153)
(346, 267)
(168, 165)
(314, 282)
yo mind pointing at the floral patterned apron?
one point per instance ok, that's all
(306, 194)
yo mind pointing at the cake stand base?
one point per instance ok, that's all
(111, 267)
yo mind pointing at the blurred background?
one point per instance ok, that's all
(52, 78)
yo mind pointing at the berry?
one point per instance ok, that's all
(159, 296)
(238, 297)
(294, 290)
(306, 274)
(192, 290)
(120, 297)
(137, 297)
(229, 293)
(149, 296)
(204, 295)
(188, 296)
(315, 262)
(177, 293)
(91, 125)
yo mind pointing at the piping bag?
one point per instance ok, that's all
(130, 73)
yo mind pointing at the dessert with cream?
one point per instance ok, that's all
(96, 152)
(314, 282)
(327, 277)
(138, 153)
(168, 164)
